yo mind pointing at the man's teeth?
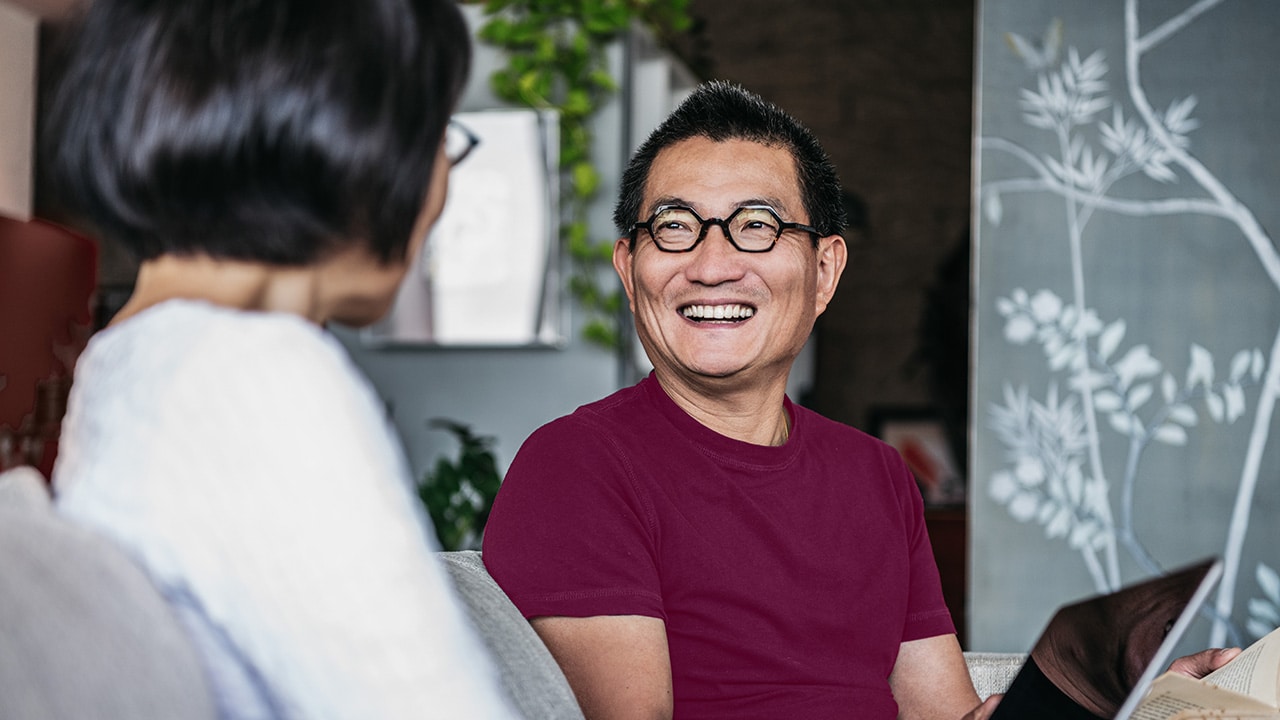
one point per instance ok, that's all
(718, 312)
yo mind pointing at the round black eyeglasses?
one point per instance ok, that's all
(458, 142)
(752, 228)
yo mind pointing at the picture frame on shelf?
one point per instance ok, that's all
(920, 437)
(489, 273)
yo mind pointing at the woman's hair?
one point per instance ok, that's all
(721, 111)
(264, 130)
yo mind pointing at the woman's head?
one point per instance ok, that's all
(276, 131)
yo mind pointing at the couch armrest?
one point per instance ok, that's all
(992, 672)
(529, 673)
(85, 633)
(24, 489)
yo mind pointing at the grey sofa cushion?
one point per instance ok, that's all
(84, 632)
(530, 674)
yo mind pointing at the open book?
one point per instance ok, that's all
(1246, 687)
(1097, 658)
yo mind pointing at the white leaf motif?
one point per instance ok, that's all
(1081, 534)
(1121, 423)
(1110, 339)
(1059, 525)
(1059, 359)
(1257, 629)
(1264, 611)
(1002, 487)
(1046, 306)
(1239, 365)
(1269, 581)
(1171, 434)
(1215, 405)
(1139, 395)
(1201, 370)
(1107, 401)
(1023, 507)
(1086, 381)
(1177, 119)
(993, 208)
(1019, 329)
(1157, 169)
(1234, 395)
(1183, 414)
(1136, 364)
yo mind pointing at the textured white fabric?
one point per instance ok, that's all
(244, 461)
(993, 672)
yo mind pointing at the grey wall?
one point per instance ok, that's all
(1126, 307)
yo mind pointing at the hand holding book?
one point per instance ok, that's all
(1247, 686)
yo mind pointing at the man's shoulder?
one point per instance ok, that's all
(823, 427)
(598, 439)
(603, 415)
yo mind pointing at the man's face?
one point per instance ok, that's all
(767, 302)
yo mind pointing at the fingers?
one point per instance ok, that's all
(983, 711)
(1203, 662)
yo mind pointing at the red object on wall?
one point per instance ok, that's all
(48, 275)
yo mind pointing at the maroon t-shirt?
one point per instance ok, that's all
(787, 576)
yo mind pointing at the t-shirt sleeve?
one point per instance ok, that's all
(571, 533)
(927, 613)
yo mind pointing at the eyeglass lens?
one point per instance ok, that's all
(458, 142)
(752, 229)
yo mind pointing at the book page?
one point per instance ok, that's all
(1253, 672)
(1178, 696)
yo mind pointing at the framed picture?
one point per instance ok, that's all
(488, 274)
(920, 437)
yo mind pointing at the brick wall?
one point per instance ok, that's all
(887, 86)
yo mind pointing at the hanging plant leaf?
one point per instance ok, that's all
(556, 59)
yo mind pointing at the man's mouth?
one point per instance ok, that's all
(717, 313)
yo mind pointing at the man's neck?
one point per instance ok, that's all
(752, 413)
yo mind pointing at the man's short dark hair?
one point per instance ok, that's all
(721, 111)
(265, 130)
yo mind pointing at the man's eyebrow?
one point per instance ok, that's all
(667, 201)
(776, 204)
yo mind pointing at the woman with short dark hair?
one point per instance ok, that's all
(275, 165)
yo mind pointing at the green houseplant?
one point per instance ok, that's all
(458, 493)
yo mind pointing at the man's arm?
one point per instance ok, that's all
(617, 665)
(931, 681)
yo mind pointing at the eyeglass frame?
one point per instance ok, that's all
(783, 226)
(471, 138)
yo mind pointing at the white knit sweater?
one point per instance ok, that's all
(245, 463)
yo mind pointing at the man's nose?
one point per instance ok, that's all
(715, 259)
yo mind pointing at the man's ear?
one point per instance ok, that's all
(832, 255)
(622, 266)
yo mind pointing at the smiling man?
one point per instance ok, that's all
(698, 546)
